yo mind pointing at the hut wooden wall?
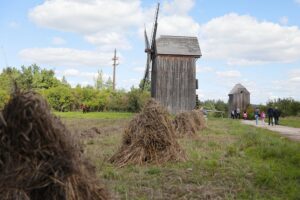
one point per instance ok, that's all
(174, 82)
(239, 100)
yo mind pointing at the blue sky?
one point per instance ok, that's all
(252, 42)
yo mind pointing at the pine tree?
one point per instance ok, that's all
(99, 83)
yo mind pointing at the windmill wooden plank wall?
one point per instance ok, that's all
(173, 77)
(239, 97)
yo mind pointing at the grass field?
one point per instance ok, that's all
(290, 121)
(228, 160)
(95, 115)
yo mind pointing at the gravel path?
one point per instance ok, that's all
(289, 132)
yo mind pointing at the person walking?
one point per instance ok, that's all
(256, 115)
(238, 113)
(276, 115)
(245, 115)
(270, 113)
(262, 117)
(232, 114)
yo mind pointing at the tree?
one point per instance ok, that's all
(60, 98)
(147, 84)
(99, 83)
(137, 99)
(109, 84)
(4, 97)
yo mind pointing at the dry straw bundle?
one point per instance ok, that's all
(38, 159)
(188, 123)
(149, 138)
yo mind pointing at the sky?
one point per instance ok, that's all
(252, 42)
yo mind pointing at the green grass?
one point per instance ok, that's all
(290, 121)
(95, 115)
(228, 160)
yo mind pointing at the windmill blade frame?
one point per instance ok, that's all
(150, 50)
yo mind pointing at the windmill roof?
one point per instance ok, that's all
(237, 88)
(178, 45)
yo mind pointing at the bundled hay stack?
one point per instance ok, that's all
(149, 138)
(184, 124)
(199, 119)
(38, 160)
(188, 123)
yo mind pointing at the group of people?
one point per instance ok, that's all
(273, 116)
(236, 114)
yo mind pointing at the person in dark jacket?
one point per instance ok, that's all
(270, 113)
(256, 115)
(276, 114)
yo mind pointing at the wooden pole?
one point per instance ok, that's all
(115, 58)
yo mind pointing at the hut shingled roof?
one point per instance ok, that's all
(237, 88)
(178, 45)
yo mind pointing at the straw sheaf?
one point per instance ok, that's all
(189, 123)
(149, 138)
(38, 157)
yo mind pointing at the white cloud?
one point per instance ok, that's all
(203, 69)
(71, 72)
(284, 20)
(106, 41)
(181, 25)
(173, 19)
(229, 74)
(65, 57)
(294, 76)
(90, 18)
(78, 76)
(58, 41)
(243, 40)
(178, 6)
(297, 1)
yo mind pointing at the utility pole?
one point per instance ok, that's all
(115, 58)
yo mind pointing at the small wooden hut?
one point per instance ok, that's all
(173, 76)
(239, 97)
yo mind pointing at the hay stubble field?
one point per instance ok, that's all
(227, 160)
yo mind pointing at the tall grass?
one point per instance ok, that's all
(227, 160)
(290, 121)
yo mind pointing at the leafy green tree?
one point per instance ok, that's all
(4, 97)
(60, 98)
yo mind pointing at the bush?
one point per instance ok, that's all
(60, 98)
(250, 112)
(137, 99)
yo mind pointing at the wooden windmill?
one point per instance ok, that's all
(172, 60)
(239, 98)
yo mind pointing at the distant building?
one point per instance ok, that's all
(239, 97)
(173, 78)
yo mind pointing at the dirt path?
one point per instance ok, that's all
(289, 132)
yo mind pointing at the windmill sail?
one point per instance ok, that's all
(150, 50)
